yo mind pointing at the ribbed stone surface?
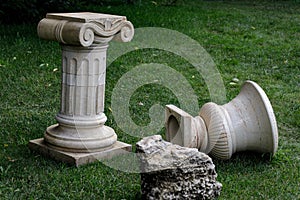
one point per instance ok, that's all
(173, 172)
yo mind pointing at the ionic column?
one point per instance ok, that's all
(80, 129)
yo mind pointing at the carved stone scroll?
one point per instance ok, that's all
(85, 29)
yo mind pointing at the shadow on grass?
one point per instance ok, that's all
(245, 161)
(27, 174)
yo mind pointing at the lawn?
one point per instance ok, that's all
(249, 41)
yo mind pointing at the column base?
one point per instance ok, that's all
(78, 159)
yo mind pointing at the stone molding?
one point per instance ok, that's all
(85, 28)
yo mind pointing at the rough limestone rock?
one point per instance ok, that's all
(173, 172)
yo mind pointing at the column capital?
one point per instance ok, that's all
(85, 28)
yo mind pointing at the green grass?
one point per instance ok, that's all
(257, 41)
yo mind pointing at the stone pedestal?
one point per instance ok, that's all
(80, 135)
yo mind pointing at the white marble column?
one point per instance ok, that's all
(80, 135)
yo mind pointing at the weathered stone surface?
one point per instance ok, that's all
(173, 172)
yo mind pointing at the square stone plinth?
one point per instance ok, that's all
(78, 159)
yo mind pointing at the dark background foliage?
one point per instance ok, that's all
(31, 11)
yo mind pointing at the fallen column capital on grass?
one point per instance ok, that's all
(247, 123)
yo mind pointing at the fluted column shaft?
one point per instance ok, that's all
(81, 118)
(83, 84)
